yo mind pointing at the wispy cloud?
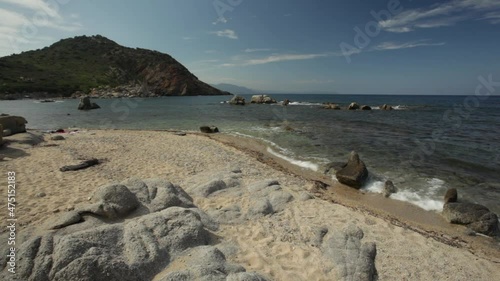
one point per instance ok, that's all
(23, 23)
(395, 46)
(273, 59)
(257, 50)
(443, 14)
(228, 33)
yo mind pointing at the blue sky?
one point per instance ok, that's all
(346, 47)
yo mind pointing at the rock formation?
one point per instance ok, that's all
(12, 124)
(354, 173)
(260, 99)
(386, 107)
(331, 106)
(366, 107)
(353, 106)
(209, 129)
(474, 216)
(237, 100)
(85, 104)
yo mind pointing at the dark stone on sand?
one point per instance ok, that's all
(209, 129)
(451, 196)
(354, 174)
(85, 164)
(57, 138)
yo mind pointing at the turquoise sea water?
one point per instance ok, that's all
(426, 145)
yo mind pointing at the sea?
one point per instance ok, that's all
(426, 145)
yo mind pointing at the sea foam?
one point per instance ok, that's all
(300, 163)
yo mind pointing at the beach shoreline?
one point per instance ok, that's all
(184, 159)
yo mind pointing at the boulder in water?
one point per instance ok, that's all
(353, 106)
(476, 217)
(262, 99)
(386, 107)
(237, 100)
(366, 107)
(209, 129)
(389, 189)
(85, 104)
(451, 196)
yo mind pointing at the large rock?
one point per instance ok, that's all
(366, 107)
(451, 196)
(476, 217)
(209, 129)
(13, 124)
(355, 261)
(85, 104)
(386, 107)
(237, 100)
(354, 174)
(353, 106)
(113, 201)
(389, 188)
(262, 99)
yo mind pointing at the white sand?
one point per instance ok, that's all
(278, 246)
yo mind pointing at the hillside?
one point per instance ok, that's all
(83, 63)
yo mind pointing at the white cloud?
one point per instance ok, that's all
(272, 59)
(443, 14)
(25, 21)
(228, 33)
(395, 46)
(257, 50)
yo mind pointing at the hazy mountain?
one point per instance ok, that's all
(235, 89)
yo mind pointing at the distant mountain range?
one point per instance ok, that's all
(86, 62)
(235, 89)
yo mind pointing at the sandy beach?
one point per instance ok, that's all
(411, 244)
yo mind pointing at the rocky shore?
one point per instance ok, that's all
(169, 206)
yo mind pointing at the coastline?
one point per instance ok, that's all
(183, 159)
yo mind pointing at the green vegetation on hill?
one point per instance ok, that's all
(82, 63)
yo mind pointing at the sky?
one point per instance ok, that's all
(289, 46)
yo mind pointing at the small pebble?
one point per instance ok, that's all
(41, 194)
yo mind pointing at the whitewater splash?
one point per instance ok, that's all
(300, 163)
(426, 200)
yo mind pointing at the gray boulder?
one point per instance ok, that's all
(389, 188)
(206, 189)
(353, 106)
(237, 100)
(112, 201)
(260, 99)
(158, 194)
(279, 199)
(259, 207)
(476, 217)
(13, 124)
(354, 174)
(355, 261)
(85, 104)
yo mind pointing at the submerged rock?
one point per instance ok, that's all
(354, 174)
(209, 129)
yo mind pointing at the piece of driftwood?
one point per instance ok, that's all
(84, 165)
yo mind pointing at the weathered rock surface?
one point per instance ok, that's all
(237, 100)
(389, 188)
(386, 107)
(331, 106)
(353, 106)
(259, 99)
(112, 202)
(209, 129)
(354, 174)
(13, 124)
(355, 261)
(85, 104)
(476, 217)
(451, 196)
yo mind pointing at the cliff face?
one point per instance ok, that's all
(84, 63)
